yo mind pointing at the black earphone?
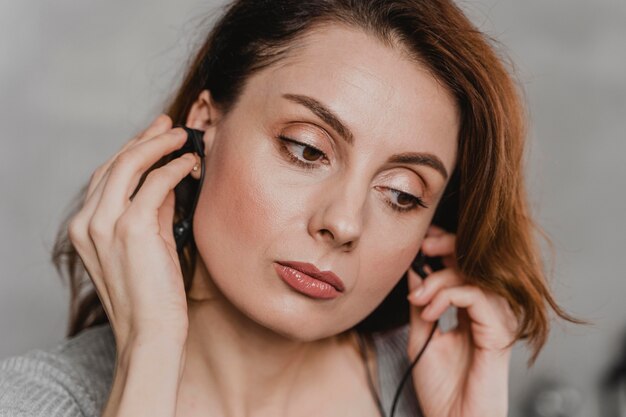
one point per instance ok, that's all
(195, 144)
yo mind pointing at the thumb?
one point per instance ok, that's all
(166, 219)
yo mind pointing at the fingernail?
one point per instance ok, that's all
(179, 132)
(416, 293)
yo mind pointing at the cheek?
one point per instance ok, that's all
(383, 264)
(234, 212)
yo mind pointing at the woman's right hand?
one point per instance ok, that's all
(128, 246)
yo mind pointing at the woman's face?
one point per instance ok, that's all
(377, 132)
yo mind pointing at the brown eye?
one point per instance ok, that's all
(403, 202)
(311, 154)
(405, 199)
(302, 154)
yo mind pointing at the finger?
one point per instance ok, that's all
(96, 178)
(129, 167)
(466, 296)
(166, 219)
(161, 124)
(433, 283)
(154, 191)
(93, 196)
(442, 245)
(100, 223)
(434, 230)
(79, 236)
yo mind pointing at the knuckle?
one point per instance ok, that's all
(124, 159)
(97, 228)
(76, 230)
(166, 173)
(441, 296)
(96, 175)
(154, 174)
(447, 293)
(444, 278)
(475, 292)
(153, 177)
(103, 167)
(140, 135)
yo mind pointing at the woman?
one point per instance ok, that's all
(341, 137)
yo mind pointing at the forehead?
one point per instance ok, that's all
(385, 99)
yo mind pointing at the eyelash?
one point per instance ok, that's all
(308, 166)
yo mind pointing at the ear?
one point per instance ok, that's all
(204, 115)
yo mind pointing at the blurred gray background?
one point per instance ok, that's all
(78, 79)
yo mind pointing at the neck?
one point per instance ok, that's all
(236, 367)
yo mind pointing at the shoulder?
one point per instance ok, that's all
(393, 362)
(72, 378)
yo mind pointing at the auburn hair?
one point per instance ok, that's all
(485, 202)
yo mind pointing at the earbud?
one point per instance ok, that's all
(195, 144)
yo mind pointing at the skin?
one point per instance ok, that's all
(249, 344)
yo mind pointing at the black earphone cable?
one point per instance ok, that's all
(370, 379)
(407, 373)
(417, 265)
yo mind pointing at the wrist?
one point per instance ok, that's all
(153, 348)
(147, 377)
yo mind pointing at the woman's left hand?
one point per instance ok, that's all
(464, 371)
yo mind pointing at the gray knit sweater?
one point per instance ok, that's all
(73, 378)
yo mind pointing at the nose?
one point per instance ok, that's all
(338, 220)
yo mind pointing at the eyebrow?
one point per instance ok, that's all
(321, 111)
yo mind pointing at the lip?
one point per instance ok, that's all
(307, 279)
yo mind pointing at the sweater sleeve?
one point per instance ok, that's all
(38, 385)
(70, 380)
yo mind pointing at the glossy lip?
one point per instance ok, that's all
(311, 270)
(306, 284)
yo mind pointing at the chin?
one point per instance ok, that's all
(295, 319)
(301, 333)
